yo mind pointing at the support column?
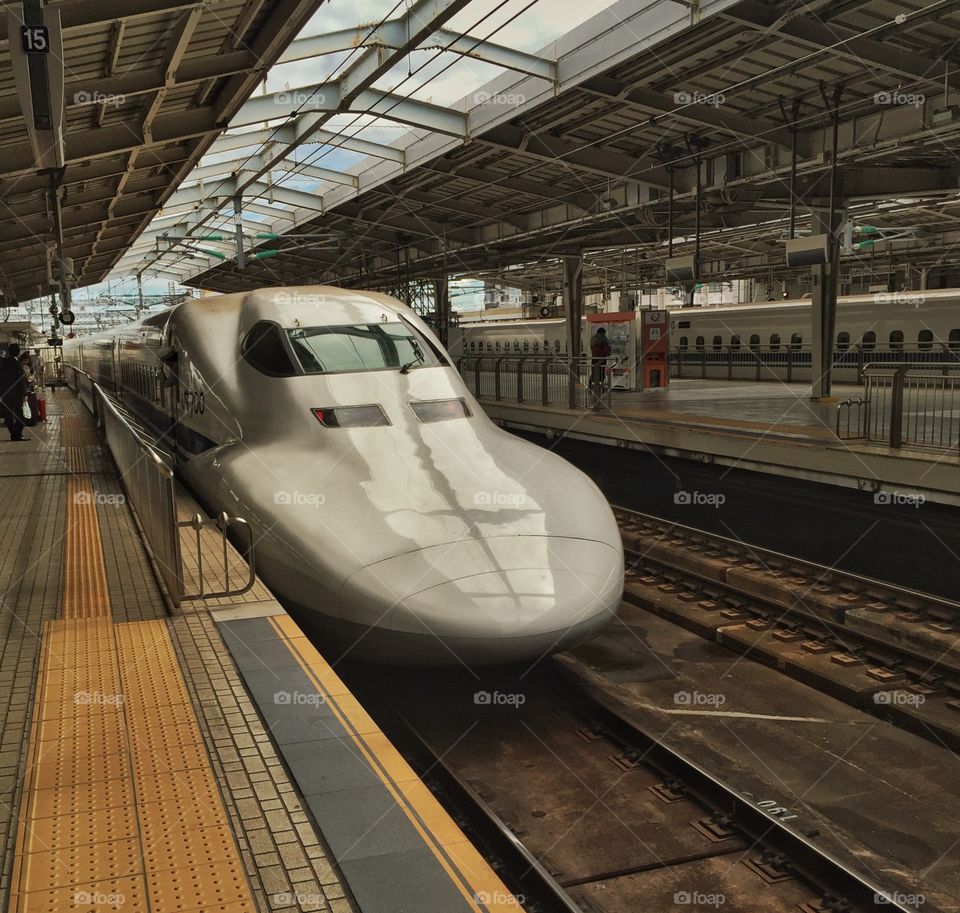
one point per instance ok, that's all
(573, 305)
(826, 282)
(441, 297)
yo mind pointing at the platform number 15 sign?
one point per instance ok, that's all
(35, 39)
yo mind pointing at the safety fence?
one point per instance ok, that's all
(794, 363)
(905, 405)
(149, 485)
(581, 383)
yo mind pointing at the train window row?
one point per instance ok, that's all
(868, 342)
(515, 345)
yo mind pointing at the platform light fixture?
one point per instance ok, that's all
(681, 269)
(811, 250)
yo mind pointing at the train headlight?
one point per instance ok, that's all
(350, 416)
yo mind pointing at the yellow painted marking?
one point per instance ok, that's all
(85, 591)
(120, 804)
(468, 870)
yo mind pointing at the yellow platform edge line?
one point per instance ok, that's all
(480, 886)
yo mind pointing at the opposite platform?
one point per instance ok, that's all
(769, 427)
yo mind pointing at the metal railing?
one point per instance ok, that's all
(545, 380)
(912, 405)
(149, 485)
(148, 482)
(794, 362)
(223, 523)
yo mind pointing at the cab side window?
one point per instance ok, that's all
(263, 348)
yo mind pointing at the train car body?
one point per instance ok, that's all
(768, 340)
(390, 514)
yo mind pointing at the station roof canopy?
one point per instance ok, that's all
(366, 165)
(149, 85)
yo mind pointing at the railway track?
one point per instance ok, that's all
(583, 812)
(886, 649)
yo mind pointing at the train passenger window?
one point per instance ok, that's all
(556, 345)
(869, 341)
(735, 343)
(536, 345)
(490, 346)
(498, 345)
(684, 342)
(516, 345)
(954, 340)
(717, 343)
(774, 342)
(362, 347)
(755, 342)
(264, 350)
(843, 341)
(896, 339)
(526, 345)
(796, 341)
(473, 345)
(701, 343)
(925, 340)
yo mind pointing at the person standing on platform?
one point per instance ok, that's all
(13, 392)
(600, 350)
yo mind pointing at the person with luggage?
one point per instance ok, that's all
(13, 392)
(33, 405)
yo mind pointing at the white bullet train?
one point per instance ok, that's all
(390, 514)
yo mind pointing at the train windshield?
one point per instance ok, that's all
(362, 347)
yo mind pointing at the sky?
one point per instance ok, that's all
(435, 76)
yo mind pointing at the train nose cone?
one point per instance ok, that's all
(495, 600)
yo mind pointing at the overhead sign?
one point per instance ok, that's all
(38, 75)
(35, 39)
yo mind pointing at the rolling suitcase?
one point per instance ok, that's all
(42, 409)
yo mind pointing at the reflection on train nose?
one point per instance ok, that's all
(513, 586)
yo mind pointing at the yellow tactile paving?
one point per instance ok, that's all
(468, 870)
(85, 593)
(120, 803)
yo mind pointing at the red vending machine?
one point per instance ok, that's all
(653, 348)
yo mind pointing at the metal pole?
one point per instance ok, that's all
(62, 275)
(573, 302)
(670, 214)
(238, 230)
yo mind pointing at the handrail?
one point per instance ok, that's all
(223, 522)
(149, 483)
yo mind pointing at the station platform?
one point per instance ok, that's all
(762, 426)
(184, 759)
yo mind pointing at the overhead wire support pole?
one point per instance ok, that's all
(238, 228)
(791, 123)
